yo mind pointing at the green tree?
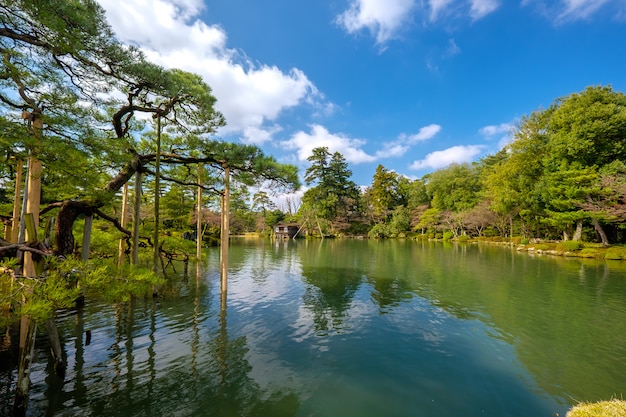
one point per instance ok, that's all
(384, 195)
(456, 188)
(429, 220)
(510, 177)
(58, 55)
(588, 128)
(335, 197)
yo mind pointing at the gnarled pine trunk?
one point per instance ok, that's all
(69, 212)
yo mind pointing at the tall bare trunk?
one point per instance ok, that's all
(199, 217)
(598, 227)
(15, 224)
(135, 253)
(225, 235)
(578, 233)
(87, 238)
(600, 230)
(157, 192)
(120, 253)
(31, 269)
(67, 215)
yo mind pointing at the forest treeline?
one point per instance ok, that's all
(562, 177)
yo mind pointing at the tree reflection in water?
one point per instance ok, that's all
(154, 357)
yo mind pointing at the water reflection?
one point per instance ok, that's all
(349, 328)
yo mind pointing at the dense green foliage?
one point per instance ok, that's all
(335, 197)
(563, 177)
(71, 97)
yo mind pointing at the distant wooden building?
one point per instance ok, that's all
(286, 230)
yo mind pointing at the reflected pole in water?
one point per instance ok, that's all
(195, 338)
(28, 330)
(80, 389)
(222, 346)
(152, 356)
(116, 358)
(130, 359)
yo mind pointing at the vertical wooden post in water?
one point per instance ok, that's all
(30, 270)
(199, 227)
(135, 251)
(157, 192)
(87, 238)
(15, 223)
(225, 235)
(120, 252)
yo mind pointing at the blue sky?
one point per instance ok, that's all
(413, 85)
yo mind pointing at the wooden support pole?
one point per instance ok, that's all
(32, 194)
(135, 251)
(157, 195)
(87, 238)
(15, 224)
(120, 252)
(225, 235)
(199, 217)
(28, 331)
(55, 347)
(199, 227)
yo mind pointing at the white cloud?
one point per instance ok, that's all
(383, 18)
(425, 133)
(493, 130)
(437, 8)
(392, 150)
(481, 8)
(319, 136)
(170, 33)
(569, 10)
(404, 142)
(453, 48)
(579, 9)
(505, 131)
(441, 159)
(477, 8)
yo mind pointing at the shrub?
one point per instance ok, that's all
(463, 238)
(599, 409)
(491, 232)
(541, 246)
(438, 235)
(615, 253)
(525, 241)
(447, 235)
(589, 253)
(379, 231)
(569, 246)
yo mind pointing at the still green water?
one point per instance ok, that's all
(350, 328)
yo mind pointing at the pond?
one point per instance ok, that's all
(347, 328)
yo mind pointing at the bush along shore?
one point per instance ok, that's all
(568, 248)
(613, 408)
